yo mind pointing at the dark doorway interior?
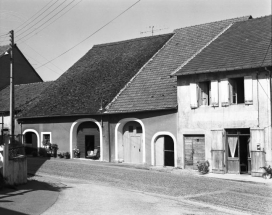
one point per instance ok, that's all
(169, 151)
(244, 154)
(89, 143)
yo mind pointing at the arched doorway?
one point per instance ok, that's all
(74, 135)
(88, 139)
(132, 142)
(164, 151)
(31, 140)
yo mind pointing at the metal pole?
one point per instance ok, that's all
(11, 88)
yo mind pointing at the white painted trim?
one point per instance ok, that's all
(73, 134)
(161, 133)
(119, 128)
(37, 134)
(42, 133)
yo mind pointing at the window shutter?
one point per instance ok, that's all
(214, 93)
(248, 90)
(193, 94)
(224, 92)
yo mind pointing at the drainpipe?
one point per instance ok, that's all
(109, 138)
(258, 98)
(270, 84)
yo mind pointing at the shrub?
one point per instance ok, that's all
(67, 155)
(60, 155)
(203, 167)
(268, 171)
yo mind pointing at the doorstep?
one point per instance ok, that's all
(239, 177)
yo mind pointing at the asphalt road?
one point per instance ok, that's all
(186, 188)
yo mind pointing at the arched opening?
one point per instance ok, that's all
(132, 142)
(31, 141)
(88, 140)
(164, 151)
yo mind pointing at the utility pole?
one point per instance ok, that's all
(11, 110)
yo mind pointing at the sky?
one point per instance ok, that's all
(55, 34)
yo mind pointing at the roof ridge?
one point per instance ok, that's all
(249, 17)
(129, 40)
(131, 80)
(201, 49)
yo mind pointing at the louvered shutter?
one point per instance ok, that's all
(224, 92)
(214, 93)
(193, 94)
(248, 90)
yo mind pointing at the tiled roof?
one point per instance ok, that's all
(98, 75)
(244, 45)
(24, 95)
(153, 88)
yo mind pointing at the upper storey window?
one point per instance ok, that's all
(227, 91)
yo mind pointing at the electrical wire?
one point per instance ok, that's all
(23, 26)
(51, 22)
(42, 56)
(43, 18)
(91, 34)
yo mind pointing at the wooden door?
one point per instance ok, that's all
(159, 149)
(132, 142)
(194, 150)
(233, 154)
(135, 146)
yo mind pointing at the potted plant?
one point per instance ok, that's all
(268, 172)
(67, 155)
(203, 167)
(54, 148)
(76, 153)
(60, 155)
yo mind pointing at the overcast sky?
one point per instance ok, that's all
(62, 24)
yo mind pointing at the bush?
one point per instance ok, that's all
(67, 155)
(203, 167)
(268, 171)
(60, 155)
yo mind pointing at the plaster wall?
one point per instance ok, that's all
(153, 121)
(206, 118)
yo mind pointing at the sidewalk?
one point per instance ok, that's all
(32, 198)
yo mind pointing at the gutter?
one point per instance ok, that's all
(96, 114)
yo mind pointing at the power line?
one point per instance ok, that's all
(50, 22)
(35, 15)
(42, 56)
(91, 34)
(42, 19)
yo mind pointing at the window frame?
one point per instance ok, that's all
(42, 137)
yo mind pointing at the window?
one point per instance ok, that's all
(46, 137)
(130, 129)
(236, 90)
(200, 94)
(139, 130)
(204, 89)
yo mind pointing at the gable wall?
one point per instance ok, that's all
(23, 72)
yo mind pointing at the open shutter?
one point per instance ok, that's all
(248, 90)
(224, 92)
(214, 93)
(194, 95)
